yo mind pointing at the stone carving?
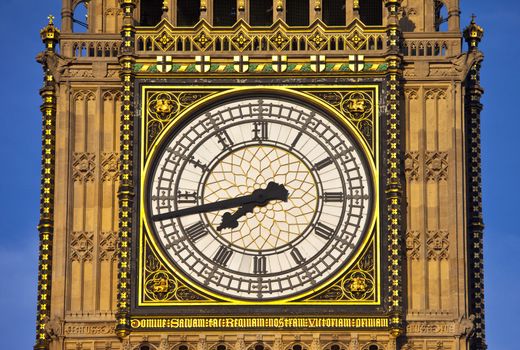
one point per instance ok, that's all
(411, 94)
(438, 245)
(462, 63)
(53, 327)
(202, 345)
(466, 326)
(435, 94)
(80, 73)
(81, 246)
(83, 167)
(354, 344)
(55, 63)
(240, 344)
(315, 345)
(110, 166)
(436, 166)
(412, 165)
(127, 345)
(413, 245)
(164, 344)
(277, 345)
(107, 245)
(429, 328)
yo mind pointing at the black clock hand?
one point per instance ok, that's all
(259, 197)
(231, 220)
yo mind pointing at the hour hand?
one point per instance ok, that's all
(231, 220)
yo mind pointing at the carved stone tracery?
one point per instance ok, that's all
(110, 166)
(437, 245)
(83, 167)
(81, 246)
(412, 165)
(107, 245)
(413, 245)
(436, 166)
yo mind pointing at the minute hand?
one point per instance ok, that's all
(259, 197)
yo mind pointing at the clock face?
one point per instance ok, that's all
(259, 198)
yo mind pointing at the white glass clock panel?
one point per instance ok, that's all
(278, 249)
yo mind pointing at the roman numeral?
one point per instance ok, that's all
(260, 130)
(260, 265)
(323, 164)
(333, 197)
(297, 256)
(187, 197)
(324, 231)
(224, 139)
(223, 255)
(196, 231)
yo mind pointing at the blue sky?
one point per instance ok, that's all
(20, 152)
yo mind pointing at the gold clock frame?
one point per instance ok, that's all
(371, 243)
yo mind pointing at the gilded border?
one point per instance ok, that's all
(126, 180)
(394, 172)
(50, 36)
(297, 92)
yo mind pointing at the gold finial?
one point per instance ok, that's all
(473, 34)
(51, 19)
(165, 6)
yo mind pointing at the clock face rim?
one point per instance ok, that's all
(216, 100)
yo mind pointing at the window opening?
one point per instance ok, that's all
(80, 18)
(441, 17)
(260, 12)
(297, 12)
(188, 12)
(151, 12)
(334, 12)
(224, 13)
(371, 12)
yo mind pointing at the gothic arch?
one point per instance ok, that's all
(221, 346)
(80, 16)
(373, 346)
(258, 346)
(181, 346)
(297, 346)
(335, 345)
(441, 17)
(145, 346)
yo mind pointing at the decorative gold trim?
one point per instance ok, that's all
(50, 36)
(126, 181)
(394, 173)
(203, 37)
(292, 91)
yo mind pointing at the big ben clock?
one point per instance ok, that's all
(258, 197)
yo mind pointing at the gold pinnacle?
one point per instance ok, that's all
(51, 19)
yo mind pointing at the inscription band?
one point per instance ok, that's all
(260, 322)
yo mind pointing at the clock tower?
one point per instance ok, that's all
(261, 175)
